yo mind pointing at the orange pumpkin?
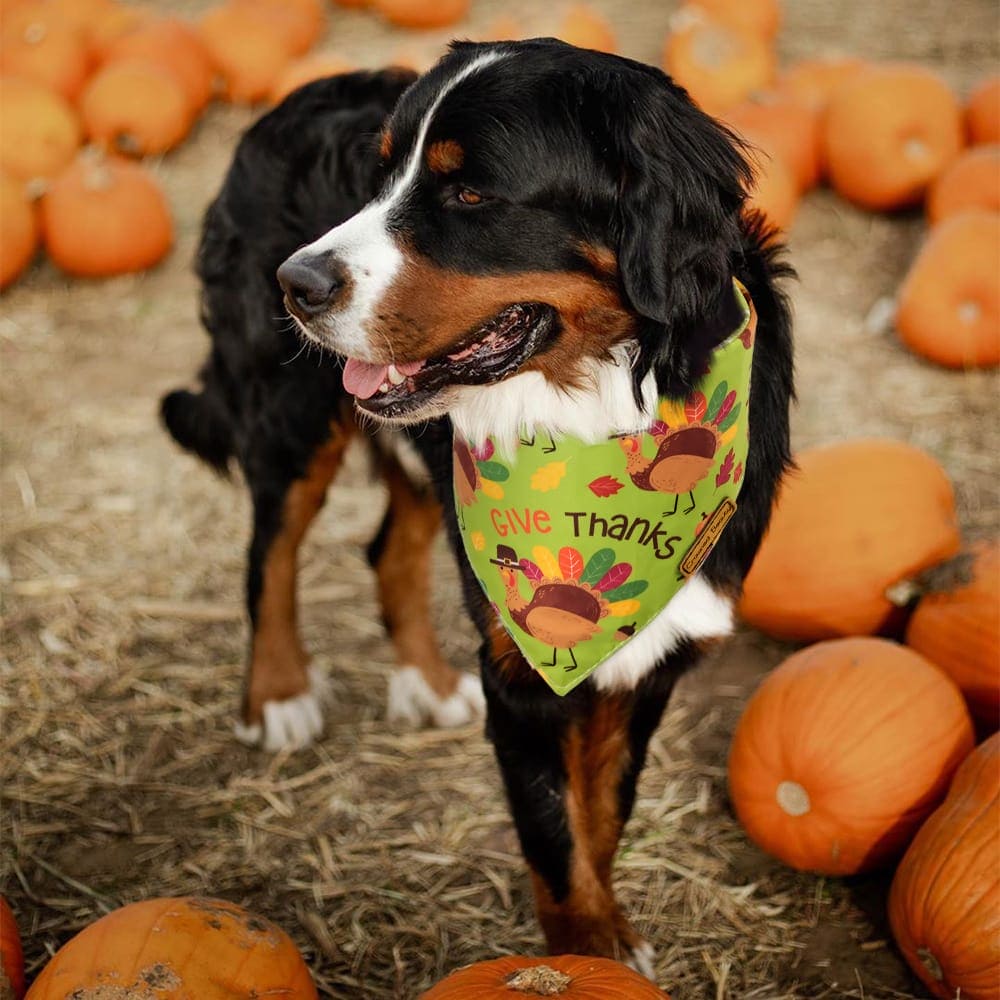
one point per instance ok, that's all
(174, 46)
(852, 520)
(299, 22)
(888, 133)
(82, 15)
(422, 13)
(302, 71)
(504, 29)
(11, 955)
(18, 229)
(982, 113)
(948, 308)
(190, 946)
(245, 51)
(957, 627)
(117, 21)
(815, 81)
(717, 64)
(762, 17)
(944, 904)
(41, 132)
(136, 107)
(571, 977)
(785, 128)
(843, 751)
(775, 191)
(104, 216)
(972, 181)
(586, 28)
(35, 43)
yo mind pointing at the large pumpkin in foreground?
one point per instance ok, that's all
(957, 627)
(944, 905)
(852, 520)
(843, 751)
(569, 977)
(184, 947)
(11, 955)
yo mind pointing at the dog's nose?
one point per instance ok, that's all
(310, 284)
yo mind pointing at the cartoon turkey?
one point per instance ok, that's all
(687, 440)
(473, 471)
(568, 597)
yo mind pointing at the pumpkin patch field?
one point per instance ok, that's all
(384, 860)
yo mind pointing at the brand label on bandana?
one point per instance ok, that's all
(579, 546)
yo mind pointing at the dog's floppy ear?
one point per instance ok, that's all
(682, 182)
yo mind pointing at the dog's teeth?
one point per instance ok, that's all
(395, 376)
(384, 387)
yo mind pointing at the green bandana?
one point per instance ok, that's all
(579, 546)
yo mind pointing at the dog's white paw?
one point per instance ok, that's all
(641, 960)
(413, 702)
(291, 723)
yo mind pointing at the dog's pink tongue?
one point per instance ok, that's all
(362, 379)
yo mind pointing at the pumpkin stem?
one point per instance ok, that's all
(539, 981)
(98, 177)
(930, 963)
(952, 574)
(793, 798)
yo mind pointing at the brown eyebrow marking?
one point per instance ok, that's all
(445, 157)
(385, 146)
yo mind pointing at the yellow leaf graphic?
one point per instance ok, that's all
(493, 490)
(478, 541)
(730, 434)
(622, 609)
(672, 413)
(546, 561)
(548, 477)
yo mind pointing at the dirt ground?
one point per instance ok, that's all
(389, 856)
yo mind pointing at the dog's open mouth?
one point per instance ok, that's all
(492, 352)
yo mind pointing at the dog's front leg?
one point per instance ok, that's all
(570, 766)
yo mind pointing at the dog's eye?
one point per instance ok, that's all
(469, 197)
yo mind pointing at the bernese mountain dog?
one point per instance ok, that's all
(551, 248)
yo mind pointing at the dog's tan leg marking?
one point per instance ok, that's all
(278, 665)
(424, 687)
(589, 920)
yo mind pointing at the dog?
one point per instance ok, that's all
(551, 257)
(284, 417)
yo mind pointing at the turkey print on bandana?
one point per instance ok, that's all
(579, 546)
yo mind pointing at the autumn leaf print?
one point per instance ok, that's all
(738, 473)
(484, 452)
(546, 562)
(494, 470)
(726, 469)
(531, 570)
(571, 563)
(631, 589)
(658, 428)
(548, 477)
(694, 407)
(604, 486)
(622, 609)
(599, 563)
(614, 577)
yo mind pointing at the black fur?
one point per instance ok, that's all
(574, 147)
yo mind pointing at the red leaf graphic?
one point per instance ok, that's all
(746, 337)
(570, 563)
(695, 406)
(738, 473)
(658, 428)
(725, 469)
(727, 405)
(531, 570)
(614, 577)
(605, 486)
(484, 452)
